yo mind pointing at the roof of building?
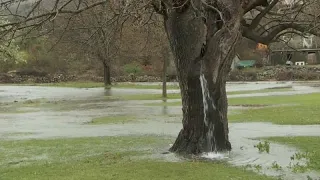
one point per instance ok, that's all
(246, 63)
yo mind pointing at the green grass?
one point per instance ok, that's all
(104, 158)
(304, 109)
(149, 97)
(310, 145)
(61, 150)
(285, 89)
(121, 167)
(294, 115)
(274, 100)
(121, 119)
(135, 86)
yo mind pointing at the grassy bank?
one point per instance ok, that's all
(309, 146)
(295, 110)
(104, 158)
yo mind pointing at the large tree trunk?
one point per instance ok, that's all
(203, 51)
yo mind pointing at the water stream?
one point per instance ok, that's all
(207, 105)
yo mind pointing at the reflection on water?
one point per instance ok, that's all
(107, 92)
(164, 108)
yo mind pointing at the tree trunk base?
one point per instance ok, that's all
(184, 145)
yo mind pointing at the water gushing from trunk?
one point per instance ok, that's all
(208, 106)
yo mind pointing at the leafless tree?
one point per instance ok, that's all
(96, 32)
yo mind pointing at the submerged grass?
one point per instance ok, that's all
(309, 145)
(104, 158)
(121, 119)
(150, 97)
(15, 134)
(20, 107)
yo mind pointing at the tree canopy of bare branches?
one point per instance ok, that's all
(264, 21)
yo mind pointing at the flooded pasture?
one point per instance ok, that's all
(31, 112)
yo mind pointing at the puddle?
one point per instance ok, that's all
(65, 112)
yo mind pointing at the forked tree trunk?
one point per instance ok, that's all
(203, 56)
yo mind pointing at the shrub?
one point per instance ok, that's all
(132, 68)
(235, 75)
(285, 76)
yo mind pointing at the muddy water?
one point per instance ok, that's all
(70, 120)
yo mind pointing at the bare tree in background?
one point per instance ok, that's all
(96, 32)
(203, 35)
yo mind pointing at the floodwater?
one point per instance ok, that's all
(65, 112)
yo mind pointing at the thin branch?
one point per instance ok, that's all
(256, 21)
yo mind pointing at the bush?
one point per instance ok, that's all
(31, 72)
(251, 75)
(133, 68)
(285, 76)
(235, 75)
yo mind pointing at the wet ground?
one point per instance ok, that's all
(49, 112)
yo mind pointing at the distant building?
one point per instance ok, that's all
(309, 56)
(245, 64)
(296, 49)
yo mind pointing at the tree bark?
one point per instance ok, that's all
(164, 73)
(203, 52)
(106, 75)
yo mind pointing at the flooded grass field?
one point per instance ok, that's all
(67, 132)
